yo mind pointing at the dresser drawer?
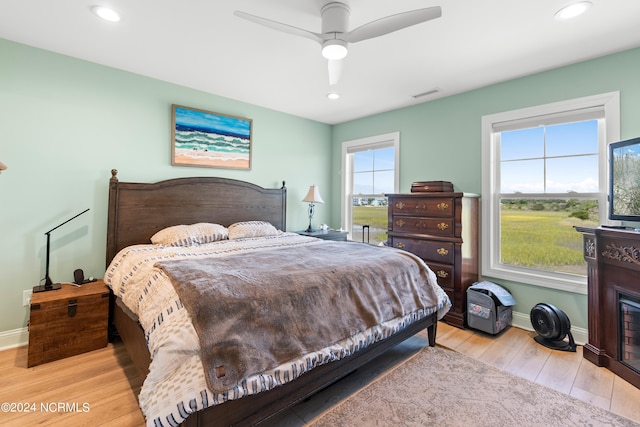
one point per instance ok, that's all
(434, 226)
(444, 273)
(434, 251)
(437, 206)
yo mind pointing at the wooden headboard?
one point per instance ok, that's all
(138, 210)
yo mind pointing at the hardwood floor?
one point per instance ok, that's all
(99, 388)
(515, 351)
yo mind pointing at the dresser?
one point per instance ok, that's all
(442, 229)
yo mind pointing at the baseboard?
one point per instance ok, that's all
(14, 338)
(523, 321)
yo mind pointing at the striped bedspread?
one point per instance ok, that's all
(176, 385)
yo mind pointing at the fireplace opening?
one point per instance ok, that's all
(629, 314)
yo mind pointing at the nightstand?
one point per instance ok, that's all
(326, 235)
(68, 321)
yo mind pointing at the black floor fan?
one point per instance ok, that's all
(552, 326)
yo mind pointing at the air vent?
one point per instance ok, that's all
(427, 93)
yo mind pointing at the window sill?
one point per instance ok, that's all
(562, 282)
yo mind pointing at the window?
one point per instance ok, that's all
(369, 170)
(544, 171)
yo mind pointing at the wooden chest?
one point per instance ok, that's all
(442, 229)
(68, 321)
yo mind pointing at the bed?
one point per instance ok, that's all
(138, 211)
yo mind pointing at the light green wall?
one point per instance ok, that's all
(65, 123)
(441, 140)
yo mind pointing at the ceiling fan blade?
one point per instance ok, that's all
(392, 23)
(279, 26)
(335, 71)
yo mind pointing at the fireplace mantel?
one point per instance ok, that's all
(613, 273)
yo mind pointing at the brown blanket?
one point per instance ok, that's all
(253, 312)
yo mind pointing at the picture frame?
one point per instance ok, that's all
(207, 139)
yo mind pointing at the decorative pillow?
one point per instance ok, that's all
(188, 235)
(240, 230)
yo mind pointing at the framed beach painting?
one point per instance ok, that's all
(207, 139)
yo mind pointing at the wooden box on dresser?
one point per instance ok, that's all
(442, 229)
(68, 321)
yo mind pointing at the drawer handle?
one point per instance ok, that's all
(400, 205)
(443, 252)
(443, 206)
(400, 246)
(443, 226)
(442, 274)
(400, 223)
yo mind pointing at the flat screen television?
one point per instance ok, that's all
(624, 180)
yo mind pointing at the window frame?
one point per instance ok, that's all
(364, 144)
(564, 111)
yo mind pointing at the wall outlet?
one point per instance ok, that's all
(26, 297)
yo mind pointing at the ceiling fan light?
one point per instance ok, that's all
(573, 10)
(106, 13)
(334, 49)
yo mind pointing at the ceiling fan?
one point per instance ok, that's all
(335, 36)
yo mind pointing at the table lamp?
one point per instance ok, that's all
(312, 197)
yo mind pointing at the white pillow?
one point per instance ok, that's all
(241, 230)
(188, 235)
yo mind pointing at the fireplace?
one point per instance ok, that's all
(629, 314)
(613, 299)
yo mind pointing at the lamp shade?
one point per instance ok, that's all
(313, 196)
(2, 166)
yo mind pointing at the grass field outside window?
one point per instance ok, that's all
(540, 234)
(373, 216)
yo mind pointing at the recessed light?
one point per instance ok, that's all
(333, 95)
(573, 10)
(106, 13)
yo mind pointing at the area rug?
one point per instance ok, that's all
(440, 387)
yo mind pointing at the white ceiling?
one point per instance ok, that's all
(203, 45)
